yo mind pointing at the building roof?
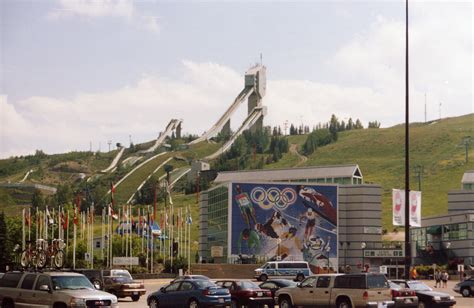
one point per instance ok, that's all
(340, 171)
(468, 177)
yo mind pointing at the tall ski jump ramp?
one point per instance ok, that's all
(173, 125)
(254, 89)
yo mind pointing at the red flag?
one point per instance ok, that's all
(112, 192)
(27, 219)
(66, 222)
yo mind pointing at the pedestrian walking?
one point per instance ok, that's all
(445, 278)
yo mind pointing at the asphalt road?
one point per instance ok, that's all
(155, 284)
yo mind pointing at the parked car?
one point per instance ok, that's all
(190, 293)
(403, 297)
(184, 277)
(247, 293)
(297, 270)
(426, 296)
(275, 284)
(466, 287)
(337, 290)
(51, 289)
(122, 286)
(117, 272)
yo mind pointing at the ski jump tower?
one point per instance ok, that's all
(254, 90)
(256, 77)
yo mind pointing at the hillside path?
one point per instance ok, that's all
(294, 150)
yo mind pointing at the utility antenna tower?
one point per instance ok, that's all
(425, 107)
(440, 110)
(109, 142)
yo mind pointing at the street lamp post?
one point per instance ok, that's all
(419, 173)
(363, 245)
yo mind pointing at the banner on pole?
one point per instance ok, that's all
(398, 208)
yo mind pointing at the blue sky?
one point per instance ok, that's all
(81, 72)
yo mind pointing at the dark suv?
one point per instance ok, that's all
(94, 275)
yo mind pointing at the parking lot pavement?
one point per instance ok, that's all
(152, 285)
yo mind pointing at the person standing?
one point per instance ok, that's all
(445, 278)
(437, 277)
(413, 273)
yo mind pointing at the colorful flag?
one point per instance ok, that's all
(66, 222)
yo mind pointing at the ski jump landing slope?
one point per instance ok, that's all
(115, 161)
(172, 125)
(252, 118)
(216, 128)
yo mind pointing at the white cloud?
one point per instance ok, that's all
(125, 9)
(440, 56)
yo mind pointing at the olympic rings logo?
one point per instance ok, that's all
(273, 197)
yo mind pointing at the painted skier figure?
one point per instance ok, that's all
(273, 227)
(246, 206)
(289, 243)
(249, 238)
(310, 217)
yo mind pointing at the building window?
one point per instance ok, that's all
(455, 232)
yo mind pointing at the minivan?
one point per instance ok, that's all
(296, 270)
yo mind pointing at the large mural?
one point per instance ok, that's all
(285, 222)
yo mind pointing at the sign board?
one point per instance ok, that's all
(383, 253)
(87, 257)
(398, 207)
(217, 251)
(125, 261)
(290, 221)
(383, 269)
(373, 230)
(460, 267)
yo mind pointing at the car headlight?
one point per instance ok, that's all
(436, 298)
(451, 298)
(75, 301)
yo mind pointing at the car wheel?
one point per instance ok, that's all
(285, 302)
(299, 277)
(7, 303)
(193, 304)
(344, 303)
(135, 298)
(263, 277)
(421, 304)
(154, 303)
(465, 292)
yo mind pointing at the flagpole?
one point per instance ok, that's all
(29, 224)
(23, 236)
(74, 247)
(189, 241)
(67, 233)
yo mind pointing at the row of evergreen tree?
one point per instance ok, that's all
(243, 152)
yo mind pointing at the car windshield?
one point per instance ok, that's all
(418, 286)
(205, 284)
(376, 281)
(248, 285)
(71, 282)
(122, 279)
(121, 274)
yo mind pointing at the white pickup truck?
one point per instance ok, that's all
(51, 289)
(337, 290)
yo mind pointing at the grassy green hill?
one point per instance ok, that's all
(380, 153)
(437, 146)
